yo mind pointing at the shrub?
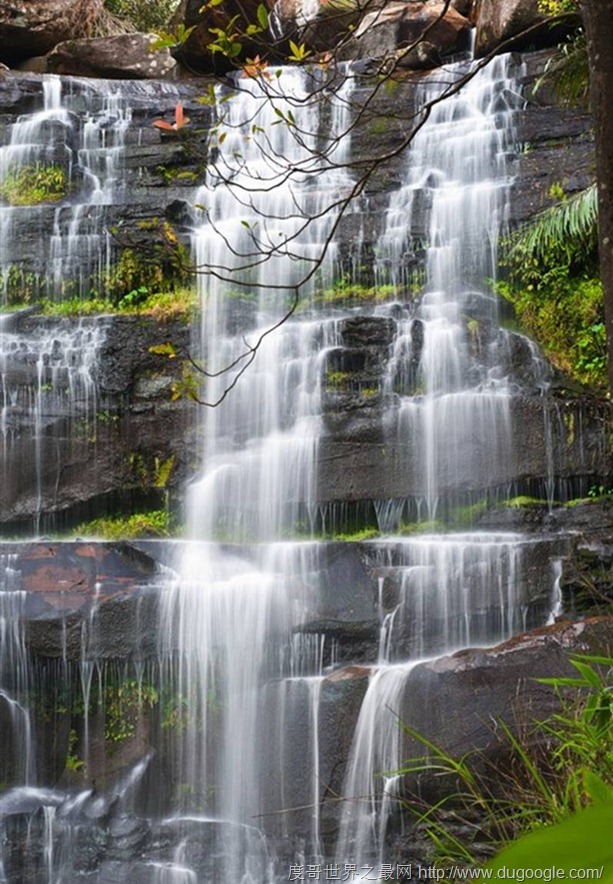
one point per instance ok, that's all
(145, 15)
(32, 185)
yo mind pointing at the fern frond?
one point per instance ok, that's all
(567, 227)
(567, 72)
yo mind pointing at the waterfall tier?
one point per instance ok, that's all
(234, 711)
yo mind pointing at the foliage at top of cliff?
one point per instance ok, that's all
(145, 15)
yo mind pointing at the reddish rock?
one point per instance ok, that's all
(349, 673)
(500, 20)
(385, 28)
(458, 701)
(97, 596)
(320, 25)
(388, 32)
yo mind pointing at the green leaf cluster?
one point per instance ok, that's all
(144, 15)
(552, 281)
(33, 185)
(155, 523)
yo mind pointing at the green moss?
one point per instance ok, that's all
(19, 286)
(379, 126)
(466, 516)
(522, 501)
(123, 706)
(33, 185)
(355, 536)
(430, 526)
(155, 523)
(163, 306)
(344, 291)
(369, 392)
(337, 380)
(555, 289)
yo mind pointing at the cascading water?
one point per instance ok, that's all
(455, 402)
(232, 620)
(47, 378)
(60, 171)
(248, 652)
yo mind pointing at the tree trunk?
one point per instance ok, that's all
(598, 20)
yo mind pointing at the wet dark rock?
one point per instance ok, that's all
(362, 457)
(116, 452)
(456, 701)
(128, 835)
(388, 32)
(93, 599)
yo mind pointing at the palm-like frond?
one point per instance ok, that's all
(568, 228)
(567, 72)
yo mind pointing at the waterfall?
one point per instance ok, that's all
(14, 669)
(232, 618)
(457, 402)
(269, 751)
(76, 144)
(454, 590)
(47, 383)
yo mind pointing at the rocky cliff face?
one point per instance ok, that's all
(107, 433)
(83, 440)
(554, 148)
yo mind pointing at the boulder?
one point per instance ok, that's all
(33, 27)
(232, 17)
(92, 599)
(385, 28)
(104, 450)
(457, 701)
(321, 25)
(399, 25)
(123, 56)
(498, 21)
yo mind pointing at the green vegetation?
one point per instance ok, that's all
(557, 7)
(338, 380)
(563, 765)
(554, 286)
(155, 523)
(354, 536)
(123, 705)
(163, 306)
(121, 700)
(73, 762)
(144, 15)
(345, 292)
(522, 501)
(33, 185)
(580, 842)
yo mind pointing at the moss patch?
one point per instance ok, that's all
(33, 185)
(155, 523)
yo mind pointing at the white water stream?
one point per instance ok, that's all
(241, 652)
(234, 615)
(79, 136)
